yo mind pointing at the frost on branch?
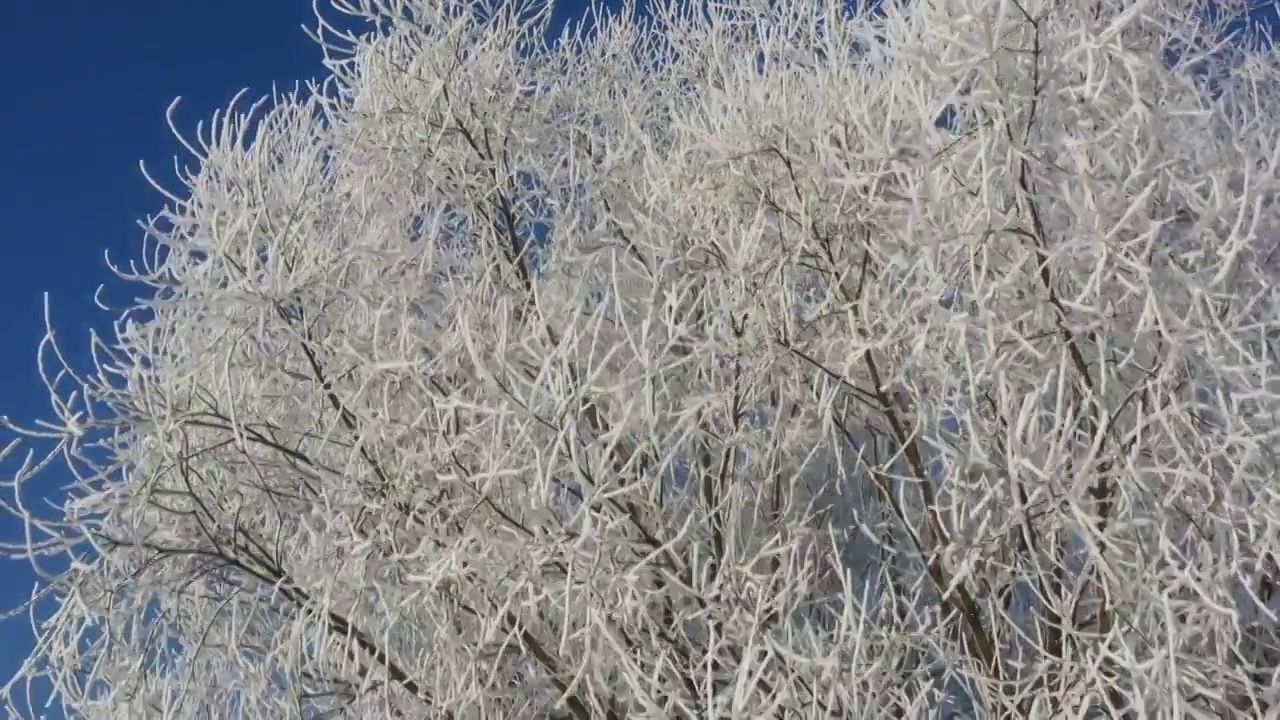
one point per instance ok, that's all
(693, 368)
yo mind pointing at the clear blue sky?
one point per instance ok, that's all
(86, 85)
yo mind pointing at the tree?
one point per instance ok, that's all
(691, 367)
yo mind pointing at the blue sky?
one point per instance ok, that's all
(87, 83)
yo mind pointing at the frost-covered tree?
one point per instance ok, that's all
(737, 360)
